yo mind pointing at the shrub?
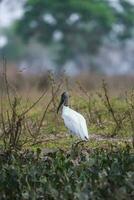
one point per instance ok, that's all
(75, 174)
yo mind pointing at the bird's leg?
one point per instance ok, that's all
(71, 136)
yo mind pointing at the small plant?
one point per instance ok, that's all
(130, 112)
(14, 124)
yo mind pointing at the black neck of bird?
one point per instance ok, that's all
(66, 102)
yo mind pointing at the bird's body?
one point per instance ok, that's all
(73, 120)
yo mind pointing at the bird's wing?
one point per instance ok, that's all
(71, 123)
(83, 128)
(76, 123)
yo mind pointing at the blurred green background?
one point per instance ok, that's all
(68, 36)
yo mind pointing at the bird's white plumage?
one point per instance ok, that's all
(75, 122)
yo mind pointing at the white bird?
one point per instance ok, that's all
(73, 120)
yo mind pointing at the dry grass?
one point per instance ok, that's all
(28, 114)
(25, 81)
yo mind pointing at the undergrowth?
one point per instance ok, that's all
(79, 173)
(37, 160)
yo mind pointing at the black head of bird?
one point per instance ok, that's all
(64, 100)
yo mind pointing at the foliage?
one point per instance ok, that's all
(76, 174)
(93, 170)
(80, 26)
(125, 18)
(15, 49)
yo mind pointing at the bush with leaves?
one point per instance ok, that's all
(80, 173)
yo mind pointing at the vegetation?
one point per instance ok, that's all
(78, 28)
(38, 160)
(80, 173)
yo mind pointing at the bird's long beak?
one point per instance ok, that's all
(60, 104)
